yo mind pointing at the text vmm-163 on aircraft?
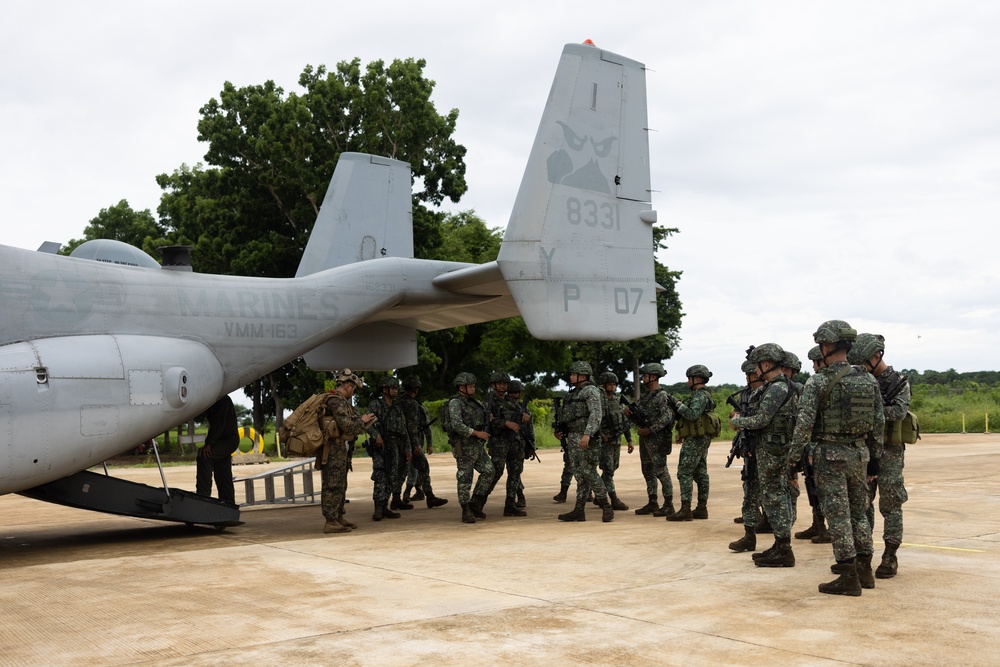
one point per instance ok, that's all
(98, 353)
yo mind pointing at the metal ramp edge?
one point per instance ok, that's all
(308, 495)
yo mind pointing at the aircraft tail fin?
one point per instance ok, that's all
(366, 214)
(577, 255)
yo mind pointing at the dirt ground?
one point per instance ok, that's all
(82, 588)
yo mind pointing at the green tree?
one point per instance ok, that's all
(122, 223)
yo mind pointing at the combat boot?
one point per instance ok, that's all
(766, 552)
(667, 509)
(823, 536)
(406, 494)
(398, 504)
(701, 510)
(617, 504)
(863, 566)
(684, 514)
(746, 543)
(576, 514)
(607, 512)
(649, 507)
(764, 526)
(335, 527)
(561, 496)
(812, 531)
(887, 569)
(510, 508)
(520, 501)
(418, 495)
(344, 522)
(389, 514)
(377, 514)
(781, 556)
(467, 514)
(846, 584)
(433, 501)
(476, 505)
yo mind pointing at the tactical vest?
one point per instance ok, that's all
(848, 411)
(614, 423)
(778, 433)
(707, 424)
(574, 411)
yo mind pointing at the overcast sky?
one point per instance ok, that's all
(821, 159)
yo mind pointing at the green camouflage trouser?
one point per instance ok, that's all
(692, 467)
(419, 472)
(385, 467)
(611, 455)
(751, 493)
(843, 495)
(775, 492)
(473, 458)
(653, 461)
(891, 495)
(567, 472)
(509, 454)
(334, 480)
(584, 462)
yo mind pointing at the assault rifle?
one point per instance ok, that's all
(893, 391)
(636, 414)
(741, 443)
(557, 425)
(530, 451)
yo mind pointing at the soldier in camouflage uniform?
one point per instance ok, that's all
(388, 446)
(655, 441)
(527, 434)
(695, 430)
(613, 426)
(334, 457)
(817, 532)
(750, 515)
(467, 435)
(769, 422)
(419, 432)
(505, 446)
(840, 412)
(581, 413)
(566, 477)
(868, 351)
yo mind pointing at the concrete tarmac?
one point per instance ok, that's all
(82, 588)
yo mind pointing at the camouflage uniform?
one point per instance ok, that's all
(505, 446)
(889, 483)
(692, 466)
(655, 447)
(582, 412)
(386, 468)
(839, 458)
(418, 471)
(771, 416)
(613, 426)
(468, 415)
(750, 510)
(337, 463)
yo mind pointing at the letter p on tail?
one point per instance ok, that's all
(577, 255)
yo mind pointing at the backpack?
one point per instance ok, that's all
(306, 430)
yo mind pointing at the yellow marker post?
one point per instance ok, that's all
(963, 422)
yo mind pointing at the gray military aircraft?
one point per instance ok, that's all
(105, 349)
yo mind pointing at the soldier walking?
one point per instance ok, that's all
(466, 428)
(419, 431)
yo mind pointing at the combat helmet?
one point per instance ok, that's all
(499, 376)
(698, 371)
(791, 360)
(581, 368)
(815, 354)
(834, 331)
(388, 382)
(653, 368)
(748, 367)
(768, 352)
(464, 378)
(412, 382)
(347, 375)
(865, 347)
(515, 387)
(606, 377)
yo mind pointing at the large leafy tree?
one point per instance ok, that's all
(269, 160)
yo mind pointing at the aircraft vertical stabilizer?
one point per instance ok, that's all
(577, 255)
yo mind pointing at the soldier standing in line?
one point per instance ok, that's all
(613, 426)
(466, 430)
(869, 350)
(655, 440)
(581, 413)
(841, 413)
(750, 512)
(505, 446)
(695, 430)
(388, 443)
(514, 389)
(769, 422)
(419, 431)
(334, 459)
(817, 532)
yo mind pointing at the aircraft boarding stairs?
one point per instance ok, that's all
(265, 481)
